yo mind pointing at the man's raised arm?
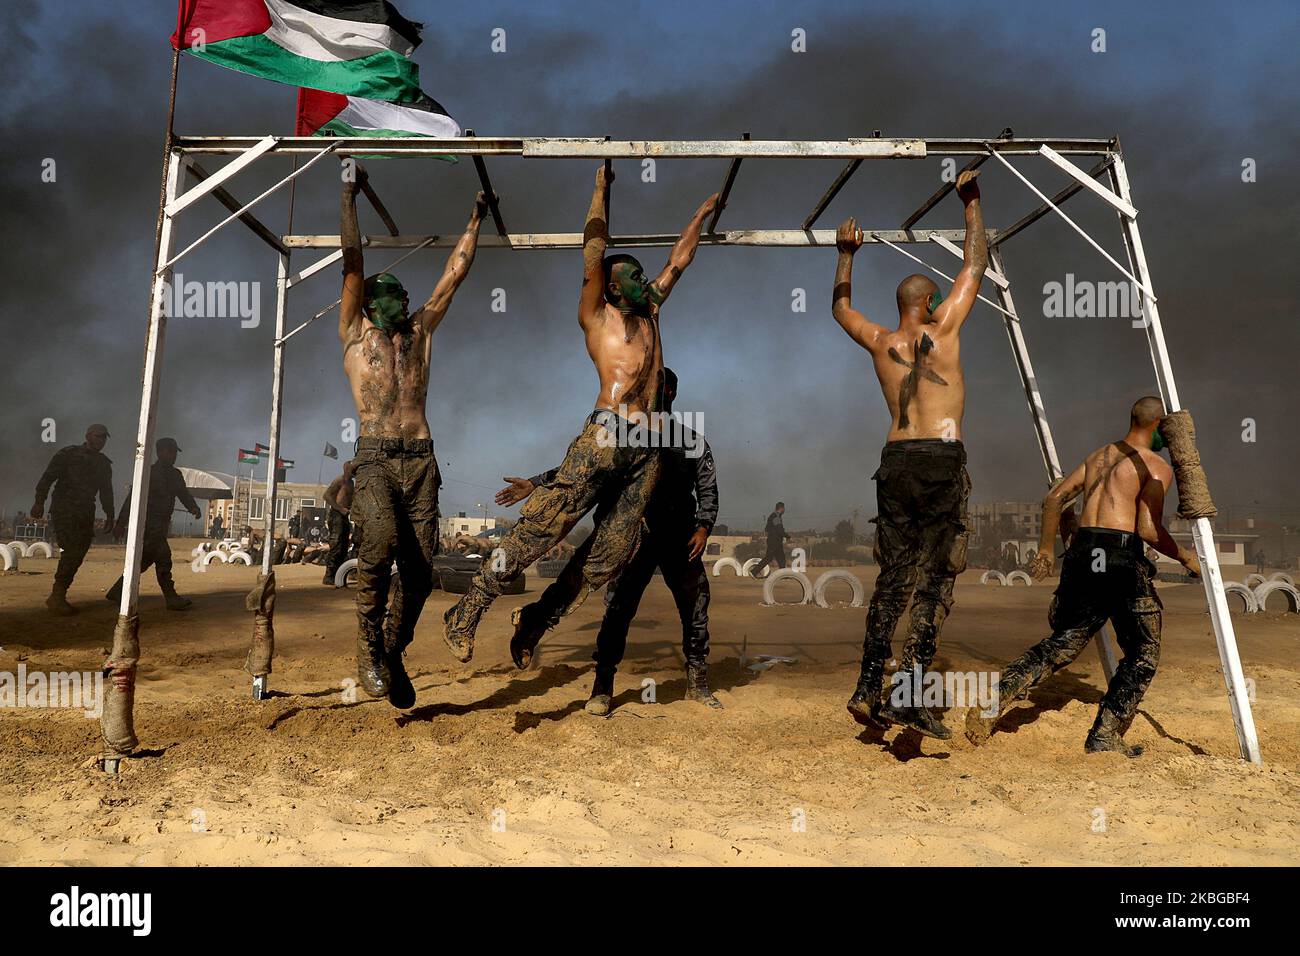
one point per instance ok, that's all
(848, 240)
(683, 251)
(457, 268)
(975, 258)
(354, 278)
(595, 238)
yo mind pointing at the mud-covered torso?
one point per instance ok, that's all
(921, 379)
(628, 357)
(389, 376)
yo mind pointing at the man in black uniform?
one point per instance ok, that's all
(679, 516)
(78, 473)
(339, 498)
(775, 531)
(165, 486)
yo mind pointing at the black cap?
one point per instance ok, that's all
(162, 443)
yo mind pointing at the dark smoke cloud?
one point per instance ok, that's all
(790, 405)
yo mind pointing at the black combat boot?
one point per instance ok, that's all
(865, 705)
(401, 692)
(461, 621)
(697, 684)
(114, 594)
(979, 725)
(1107, 735)
(601, 701)
(372, 662)
(174, 601)
(531, 626)
(57, 602)
(919, 719)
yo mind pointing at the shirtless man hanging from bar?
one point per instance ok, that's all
(611, 466)
(386, 353)
(921, 486)
(1104, 575)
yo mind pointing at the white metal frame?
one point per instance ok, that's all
(250, 150)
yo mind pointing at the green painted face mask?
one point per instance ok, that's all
(936, 300)
(1157, 442)
(386, 303)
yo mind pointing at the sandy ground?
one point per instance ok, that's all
(498, 767)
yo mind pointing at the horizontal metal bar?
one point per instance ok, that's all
(220, 194)
(1040, 211)
(185, 200)
(1124, 206)
(569, 148)
(789, 238)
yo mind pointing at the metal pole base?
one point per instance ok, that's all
(260, 690)
(111, 764)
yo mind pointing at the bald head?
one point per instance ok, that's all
(914, 292)
(1146, 411)
(96, 437)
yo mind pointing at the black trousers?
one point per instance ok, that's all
(688, 581)
(1104, 576)
(340, 534)
(775, 552)
(73, 531)
(922, 490)
(156, 551)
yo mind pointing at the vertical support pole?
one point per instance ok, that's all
(1051, 461)
(267, 581)
(117, 724)
(1202, 530)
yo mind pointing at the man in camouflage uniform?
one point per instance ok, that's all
(78, 473)
(165, 485)
(338, 496)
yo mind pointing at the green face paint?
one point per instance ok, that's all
(386, 303)
(1157, 442)
(936, 300)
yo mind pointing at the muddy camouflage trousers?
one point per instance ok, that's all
(339, 539)
(601, 470)
(921, 539)
(1104, 576)
(395, 513)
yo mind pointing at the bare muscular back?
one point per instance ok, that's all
(629, 360)
(921, 378)
(1114, 478)
(389, 376)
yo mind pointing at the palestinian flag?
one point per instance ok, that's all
(334, 114)
(262, 450)
(282, 463)
(248, 457)
(356, 48)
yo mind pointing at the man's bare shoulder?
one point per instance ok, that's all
(1157, 466)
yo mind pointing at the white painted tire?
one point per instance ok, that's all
(18, 548)
(341, 575)
(213, 555)
(721, 563)
(1282, 576)
(1015, 576)
(226, 546)
(240, 557)
(1247, 595)
(1255, 580)
(786, 574)
(991, 575)
(753, 563)
(42, 546)
(1271, 587)
(8, 560)
(838, 574)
